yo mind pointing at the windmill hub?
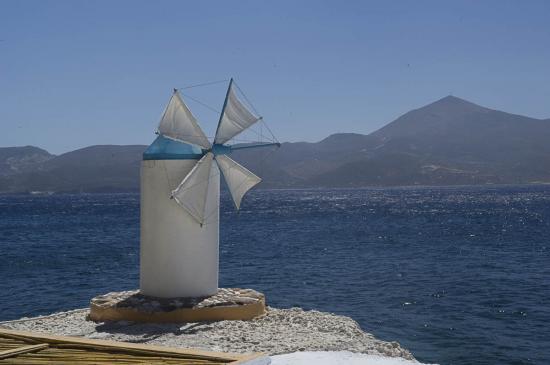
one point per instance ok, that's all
(180, 199)
(220, 149)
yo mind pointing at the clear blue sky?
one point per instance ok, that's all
(77, 73)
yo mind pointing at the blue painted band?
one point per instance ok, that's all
(168, 149)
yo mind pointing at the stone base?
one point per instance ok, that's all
(226, 304)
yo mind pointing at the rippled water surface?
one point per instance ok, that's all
(457, 275)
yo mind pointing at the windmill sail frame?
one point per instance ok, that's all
(235, 117)
(178, 123)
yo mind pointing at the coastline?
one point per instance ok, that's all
(279, 331)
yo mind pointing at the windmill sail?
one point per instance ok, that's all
(192, 192)
(238, 179)
(234, 119)
(179, 123)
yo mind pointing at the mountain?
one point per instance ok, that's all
(103, 168)
(14, 160)
(448, 142)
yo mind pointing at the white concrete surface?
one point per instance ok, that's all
(178, 257)
(337, 358)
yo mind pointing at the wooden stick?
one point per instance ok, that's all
(22, 350)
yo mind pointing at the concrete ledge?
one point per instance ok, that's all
(226, 304)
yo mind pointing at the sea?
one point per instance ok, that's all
(457, 275)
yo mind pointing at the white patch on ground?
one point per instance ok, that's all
(337, 358)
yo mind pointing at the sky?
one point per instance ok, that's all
(80, 73)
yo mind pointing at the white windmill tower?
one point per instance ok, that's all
(180, 197)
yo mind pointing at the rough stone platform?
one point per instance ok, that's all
(279, 331)
(226, 304)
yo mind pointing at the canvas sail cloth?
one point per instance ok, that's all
(191, 194)
(235, 118)
(192, 191)
(178, 123)
(238, 179)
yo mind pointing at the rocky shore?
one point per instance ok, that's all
(279, 331)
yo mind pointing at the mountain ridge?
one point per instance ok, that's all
(447, 142)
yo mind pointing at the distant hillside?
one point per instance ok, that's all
(448, 142)
(451, 141)
(14, 160)
(91, 169)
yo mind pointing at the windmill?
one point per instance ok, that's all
(180, 197)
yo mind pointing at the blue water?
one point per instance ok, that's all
(456, 275)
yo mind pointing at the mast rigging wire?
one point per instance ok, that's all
(204, 84)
